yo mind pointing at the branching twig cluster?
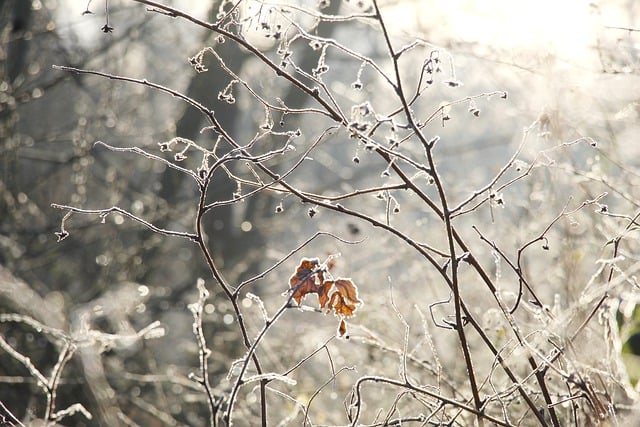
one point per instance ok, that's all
(530, 375)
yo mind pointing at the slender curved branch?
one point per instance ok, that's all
(103, 213)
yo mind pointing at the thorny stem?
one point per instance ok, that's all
(204, 352)
(445, 209)
(230, 296)
(251, 355)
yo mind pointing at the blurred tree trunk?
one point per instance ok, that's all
(15, 19)
(245, 253)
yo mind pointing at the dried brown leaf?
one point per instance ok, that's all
(306, 279)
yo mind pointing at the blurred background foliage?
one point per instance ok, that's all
(573, 70)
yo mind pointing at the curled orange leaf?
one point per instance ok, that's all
(339, 296)
(323, 293)
(344, 299)
(306, 279)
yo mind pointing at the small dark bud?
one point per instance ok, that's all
(353, 229)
